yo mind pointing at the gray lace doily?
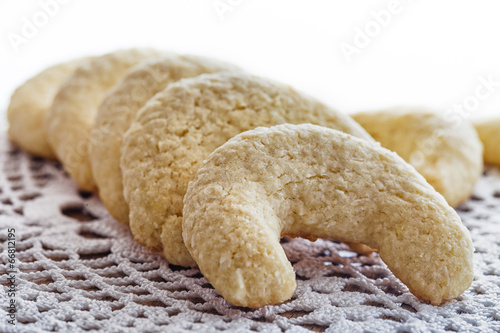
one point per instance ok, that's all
(80, 271)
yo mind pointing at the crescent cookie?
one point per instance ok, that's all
(69, 121)
(489, 133)
(176, 130)
(120, 107)
(448, 155)
(311, 181)
(29, 103)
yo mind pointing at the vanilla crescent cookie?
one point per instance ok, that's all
(489, 133)
(120, 107)
(69, 121)
(447, 154)
(177, 129)
(311, 181)
(29, 103)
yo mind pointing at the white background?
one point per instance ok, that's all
(430, 53)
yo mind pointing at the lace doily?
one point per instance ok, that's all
(78, 270)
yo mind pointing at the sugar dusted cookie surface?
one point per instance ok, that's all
(489, 133)
(176, 130)
(29, 103)
(69, 121)
(311, 181)
(120, 107)
(447, 153)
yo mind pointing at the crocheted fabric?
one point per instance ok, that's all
(78, 270)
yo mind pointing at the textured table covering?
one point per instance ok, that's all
(78, 270)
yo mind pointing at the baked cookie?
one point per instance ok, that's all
(29, 103)
(312, 181)
(177, 129)
(448, 155)
(69, 121)
(120, 107)
(489, 133)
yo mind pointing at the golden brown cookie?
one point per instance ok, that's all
(120, 107)
(312, 181)
(69, 121)
(176, 130)
(489, 133)
(29, 103)
(449, 156)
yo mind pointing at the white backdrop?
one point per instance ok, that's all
(354, 55)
